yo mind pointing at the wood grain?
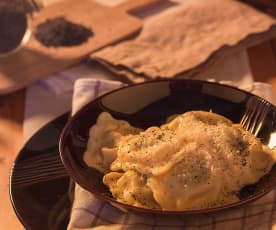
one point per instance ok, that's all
(11, 119)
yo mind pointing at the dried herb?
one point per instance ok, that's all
(61, 32)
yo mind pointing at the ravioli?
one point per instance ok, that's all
(196, 160)
(103, 141)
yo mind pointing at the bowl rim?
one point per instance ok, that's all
(125, 207)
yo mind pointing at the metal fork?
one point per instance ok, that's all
(255, 114)
(41, 168)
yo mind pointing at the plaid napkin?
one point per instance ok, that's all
(90, 213)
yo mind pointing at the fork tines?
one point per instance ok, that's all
(255, 114)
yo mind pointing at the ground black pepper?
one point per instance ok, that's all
(61, 32)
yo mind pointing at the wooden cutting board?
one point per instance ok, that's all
(35, 61)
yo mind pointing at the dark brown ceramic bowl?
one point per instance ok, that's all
(148, 104)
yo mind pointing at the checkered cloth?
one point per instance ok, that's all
(90, 213)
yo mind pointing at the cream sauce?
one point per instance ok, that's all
(196, 160)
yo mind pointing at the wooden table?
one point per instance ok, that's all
(263, 63)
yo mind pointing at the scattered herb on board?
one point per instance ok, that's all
(61, 32)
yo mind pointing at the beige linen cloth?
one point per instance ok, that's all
(90, 213)
(186, 38)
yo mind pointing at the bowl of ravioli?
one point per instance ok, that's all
(171, 147)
